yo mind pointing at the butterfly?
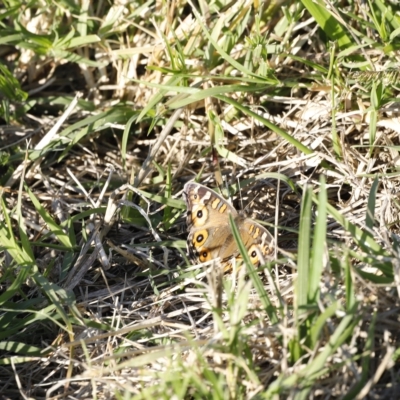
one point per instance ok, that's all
(210, 235)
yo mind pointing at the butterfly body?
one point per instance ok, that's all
(210, 235)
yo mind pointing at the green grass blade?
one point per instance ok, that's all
(370, 217)
(319, 244)
(319, 324)
(329, 24)
(349, 284)
(267, 123)
(303, 259)
(51, 224)
(264, 298)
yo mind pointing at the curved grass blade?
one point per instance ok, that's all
(264, 298)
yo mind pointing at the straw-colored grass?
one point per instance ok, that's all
(109, 109)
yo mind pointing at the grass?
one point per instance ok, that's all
(290, 106)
